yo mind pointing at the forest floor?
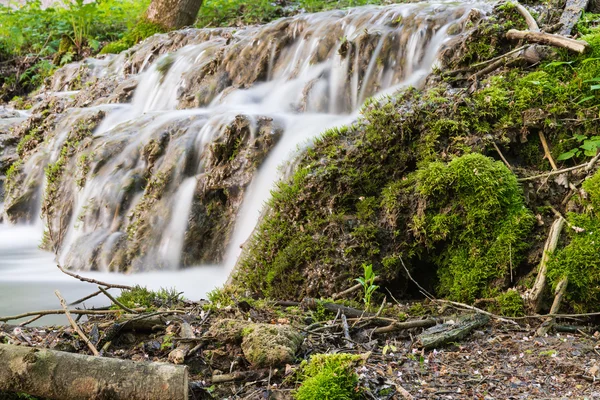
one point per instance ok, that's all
(499, 360)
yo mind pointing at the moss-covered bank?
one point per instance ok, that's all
(413, 181)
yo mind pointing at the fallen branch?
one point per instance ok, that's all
(241, 375)
(535, 298)
(81, 300)
(397, 326)
(89, 280)
(58, 312)
(177, 356)
(478, 311)
(547, 174)
(571, 15)
(348, 311)
(81, 334)
(351, 289)
(560, 291)
(578, 46)
(116, 302)
(446, 333)
(58, 375)
(547, 151)
(529, 20)
(502, 156)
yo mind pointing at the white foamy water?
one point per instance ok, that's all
(307, 88)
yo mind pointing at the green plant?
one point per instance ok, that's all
(328, 377)
(588, 146)
(367, 281)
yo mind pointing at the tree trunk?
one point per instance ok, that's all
(173, 14)
(59, 375)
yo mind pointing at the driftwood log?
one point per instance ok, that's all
(571, 15)
(59, 375)
(442, 334)
(578, 46)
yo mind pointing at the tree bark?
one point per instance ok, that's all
(173, 14)
(59, 375)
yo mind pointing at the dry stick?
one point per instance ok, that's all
(351, 289)
(502, 156)
(531, 23)
(117, 302)
(425, 292)
(578, 46)
(89, 280)
(58, 312)
(405, 394)
(535, 299)
(478, 310)
(592, 162)
(82, 335)
(547, 151)
(396, 326)
(30, 320)
(547, 174)
(560, 291)
(81, 300)
(347, 331)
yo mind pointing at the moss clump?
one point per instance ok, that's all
(474, 218)
(329, 376)
(142, 297)
(511, 304)
(270, 345)
(142, 30)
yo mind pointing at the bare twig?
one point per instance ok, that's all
(24, 323)
(58, 312)
(351, 289)
(592, 162)
(397, 326)
(89, 280)
(116, 302)
(540, 281)
(547, 151)
(531, 22)
(425, 292)
(478, 310)
(547, 174)
(347, 331)
(502, 156)
(81, 300)
(81, 334)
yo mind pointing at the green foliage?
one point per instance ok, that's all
(215, 13)
(586, 146)
(476, 220)
(511, 304)
(578, 260)
(54, 36)
(142, 297)
(328, 377)
(142, 30)
(368, 283)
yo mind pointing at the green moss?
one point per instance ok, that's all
(142, 30)
(511, 304)
(329, 377)
(142, 297)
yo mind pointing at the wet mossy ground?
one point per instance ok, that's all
(419, 179)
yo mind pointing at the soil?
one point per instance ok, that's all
(498, 361)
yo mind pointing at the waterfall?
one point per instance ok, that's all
(179, 175)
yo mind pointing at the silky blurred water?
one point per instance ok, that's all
(29, 277)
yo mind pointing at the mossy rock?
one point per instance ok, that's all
(270, 345)
(263, 345)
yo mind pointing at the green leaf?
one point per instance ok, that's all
(595, 87)
(567, 156)
(580, 138)
(559, 63)
(592, 80)
(585, 99)
(587, 60)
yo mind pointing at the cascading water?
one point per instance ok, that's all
(178, 176)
